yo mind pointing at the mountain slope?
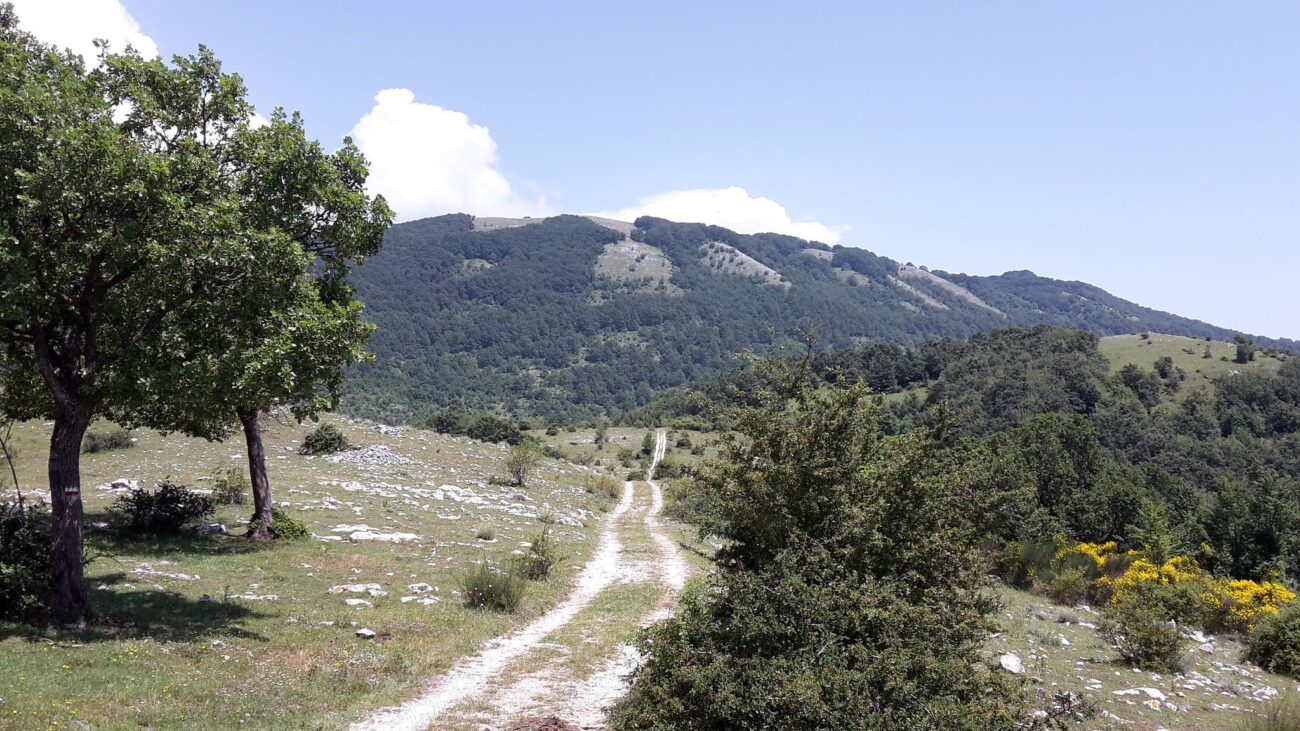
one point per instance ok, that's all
(570, 317)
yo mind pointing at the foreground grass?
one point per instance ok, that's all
(270, 647)
(1218, 691)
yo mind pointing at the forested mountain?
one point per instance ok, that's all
(573, 317)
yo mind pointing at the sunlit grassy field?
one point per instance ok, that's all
(270, 646)
(1187, 353)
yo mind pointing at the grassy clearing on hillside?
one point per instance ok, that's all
(273, 648)
(579, 445)
(1187, 353)
(1217, 692)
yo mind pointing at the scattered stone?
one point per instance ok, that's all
(420, 588)
(549, 723)
(121, 484)
(1149, 692)
(353, 588)
(353, 602)
(216, 644)
(366, 634)
(213, 529)
(1011, 663)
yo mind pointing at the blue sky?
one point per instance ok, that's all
(1152, 149)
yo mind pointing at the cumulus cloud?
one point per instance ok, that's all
(76, 24)
(427, 160)
(732, 207)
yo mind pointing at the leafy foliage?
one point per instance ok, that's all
(164, 511)
(541, 557)
(522, 460)
(230, 487)
(283, 527)
(108, 439)
(1275, 643)
(848, 582)
(1142, 635)
(24, 562)
(324, 439)
(490, 586)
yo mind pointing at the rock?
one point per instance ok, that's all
(216, 644)
(121, 484)
(1151, 693)
(205, 599)
(1011, 663)
(353, 602)
(420, 588)
(213, 529)
(1207, 648)
(353, 588)
(366, 634)
(365, 535)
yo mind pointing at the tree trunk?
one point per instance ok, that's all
(257, 474)
(71, 597)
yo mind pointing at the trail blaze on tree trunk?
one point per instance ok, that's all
(71, 597)
(257, 474)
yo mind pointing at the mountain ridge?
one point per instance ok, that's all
(579, 317)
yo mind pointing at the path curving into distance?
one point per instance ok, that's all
(518, 674)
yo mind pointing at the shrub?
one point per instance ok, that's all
(488, 586)
(486, 534)
(103, 441)
(542, 555)
(635, 475)
(552, 431)
(324, 439)
(684, 442)
(1069, 586)
(230, 487)
(283, 527)
(522, 459)
(1281, 714)
(602, 485)
(494, 429)
(25, 541)
(1142, 634)
(1275, 643)
(164, 511)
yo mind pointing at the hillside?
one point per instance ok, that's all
(570, 317)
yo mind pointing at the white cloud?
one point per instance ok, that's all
(76, 24)
(427, 160)
(732, 207)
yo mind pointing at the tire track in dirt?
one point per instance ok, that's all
(491, 675)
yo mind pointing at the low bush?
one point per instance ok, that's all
(489, 586)
(494, 429)
(486, 534)
(230, 487)
(1142, 634)
(283, 527)
(1275, 643)
(1281, 714)
(602, 485)
(164, 511)
(324, 439)
(1069, 586)
(542, 555)
(105, 440)
(25, 541)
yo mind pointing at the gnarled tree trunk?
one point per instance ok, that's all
(261, 525)
(71, 597)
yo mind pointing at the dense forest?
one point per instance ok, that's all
(520, 320)
(1088, 446)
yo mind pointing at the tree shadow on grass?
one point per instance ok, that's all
(154, 614)
(103, 538)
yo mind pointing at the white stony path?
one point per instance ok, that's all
(487, 675)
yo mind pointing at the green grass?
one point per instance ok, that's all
(580, 446)
(1187, 353)
(161, 657)
(1030, 629)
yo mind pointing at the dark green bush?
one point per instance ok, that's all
(1142, 633)
(25, 541)
(324, 439)
(283, 527)
(848, 593)
(494, 429)
(164, 511)
(230, 487)
(1275, 643)
(105, 440)
(489, 586)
